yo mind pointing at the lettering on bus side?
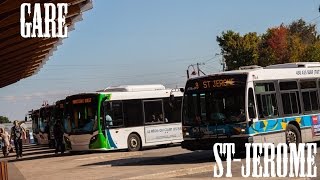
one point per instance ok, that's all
(307, 72)
(315, 125)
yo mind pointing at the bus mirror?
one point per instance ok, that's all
(25, 119)
(250, 122)
(274, 111)
(182, 89)
(251, 112)
(251, 106)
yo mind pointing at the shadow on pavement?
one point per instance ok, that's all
(121, 150)
(37, 157)
(185, 158)
(33, 152)
(204, 156)
(29, 150)
(33, 147)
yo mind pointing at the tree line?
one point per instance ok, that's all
(296, 42)
(4, 119)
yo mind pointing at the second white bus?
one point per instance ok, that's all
(123, 117)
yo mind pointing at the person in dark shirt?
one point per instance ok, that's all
(58, 136)
(16, 135)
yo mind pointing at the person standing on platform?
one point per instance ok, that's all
(6, 142)
(58, 136)
(17, 134)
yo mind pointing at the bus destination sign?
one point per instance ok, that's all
(81, 101)
(216, 82)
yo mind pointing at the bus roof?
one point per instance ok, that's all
(124, 92)
(145, 94)
(62, 101)
(298, 70)
(295, 65)
(133, 88)
(47, 107)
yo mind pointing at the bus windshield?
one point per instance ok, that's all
(214, 102)
(35, 121)
(81, 117)
(43, 121)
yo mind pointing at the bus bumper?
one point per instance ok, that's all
(207, 144)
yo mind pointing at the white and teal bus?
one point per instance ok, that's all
(275, 104)
(123, 117)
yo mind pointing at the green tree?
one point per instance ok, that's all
(307, 32)
(296, 49)
(239, 50)
(312, 53)
(4, 119)
(295, 42)
(277, 42)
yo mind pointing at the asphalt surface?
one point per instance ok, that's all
(40, 162)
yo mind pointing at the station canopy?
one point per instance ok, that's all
(23, 57)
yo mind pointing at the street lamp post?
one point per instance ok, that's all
(193, 72)
(223, 61)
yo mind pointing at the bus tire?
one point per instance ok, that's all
(134, 142)
(293, 135)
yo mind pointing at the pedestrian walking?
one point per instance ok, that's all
(17, 134)
(5, 141)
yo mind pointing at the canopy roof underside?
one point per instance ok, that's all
(22, 57)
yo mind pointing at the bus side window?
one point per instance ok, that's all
(153, 111)
(172, 110)
(309, 94)
(117, 113)
(290, 97)
(113, 114)
(266, 99)
(132, 111)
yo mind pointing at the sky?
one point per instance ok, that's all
(122, 42)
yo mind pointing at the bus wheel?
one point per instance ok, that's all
(134, 143)
(292, 134)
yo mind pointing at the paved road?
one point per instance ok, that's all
(154, 163)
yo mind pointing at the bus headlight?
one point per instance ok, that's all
(67, 143)
(93, 139)
(185, 132)
(184, 129)
(66, 139)
(244, 128)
